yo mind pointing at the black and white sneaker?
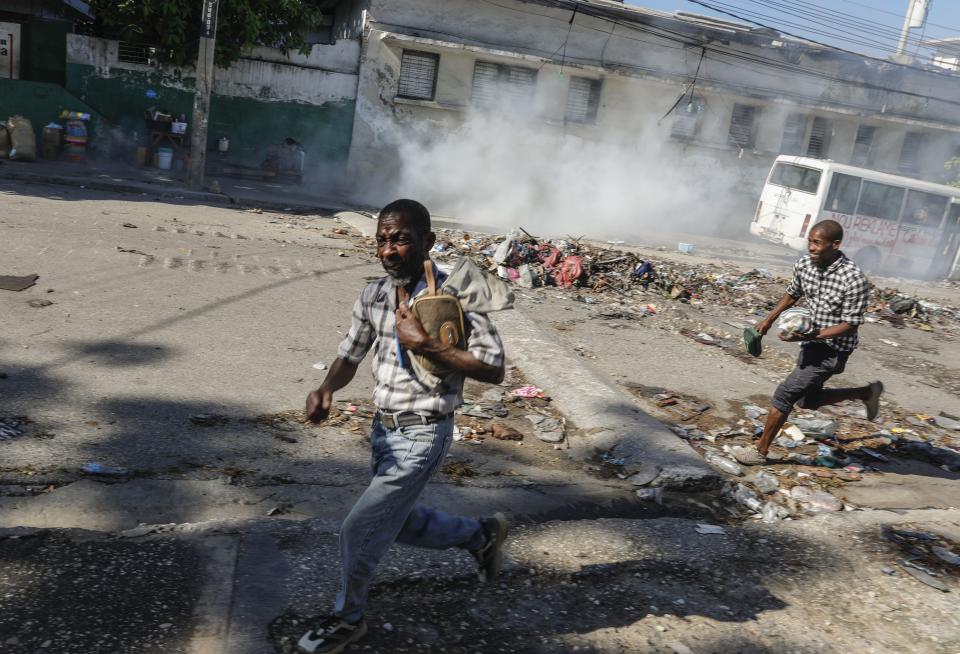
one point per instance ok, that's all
(490, 556)
(331, 635)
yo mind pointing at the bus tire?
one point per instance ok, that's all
(868, 259)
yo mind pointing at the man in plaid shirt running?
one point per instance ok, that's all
(412, 429)
(836, 292)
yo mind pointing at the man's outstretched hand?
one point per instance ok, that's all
(318, 404)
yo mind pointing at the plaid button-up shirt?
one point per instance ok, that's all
(396, 386)
(836, 294)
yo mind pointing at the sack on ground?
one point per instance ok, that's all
(23, 141)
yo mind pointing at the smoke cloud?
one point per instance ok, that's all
(504, 169)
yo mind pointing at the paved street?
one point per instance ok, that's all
(172, 344)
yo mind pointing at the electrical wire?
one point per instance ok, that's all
(834, 24)
(836, 28)
(823, 45)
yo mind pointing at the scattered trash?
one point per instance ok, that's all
(528, 392)
(10, 428)
(504, 432)
(822, 502)
(723, 463)
(765, 482)
(924, 577)
(686, 248)
(646, 475)
(38, 304)
(459, 469)
(130, 225)
(887, 341)
(280, 509)
(547, 429)
(710, 530)
(945, 555)
(209, 419)
(104, 470)
(319, 365)
(748, 498)
(651, 494)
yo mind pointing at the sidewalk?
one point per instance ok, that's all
(169, 184)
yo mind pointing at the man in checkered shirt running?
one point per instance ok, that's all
(412, 429)
(836, 292)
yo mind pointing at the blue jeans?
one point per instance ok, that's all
(403, 461)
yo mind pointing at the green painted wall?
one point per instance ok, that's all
(251, 125)
(41, 103)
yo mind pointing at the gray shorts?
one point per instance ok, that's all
(817, 363)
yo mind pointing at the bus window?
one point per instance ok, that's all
(844, 190)
(954, 219)
(880, 201)
(799, 178)
(924, 209)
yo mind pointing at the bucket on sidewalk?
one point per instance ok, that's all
(164, 158)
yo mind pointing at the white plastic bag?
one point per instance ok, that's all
(797, 320)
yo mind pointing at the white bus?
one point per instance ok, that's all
(892, 224)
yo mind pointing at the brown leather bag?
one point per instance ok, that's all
(442, 318)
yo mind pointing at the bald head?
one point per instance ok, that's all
(829, 230)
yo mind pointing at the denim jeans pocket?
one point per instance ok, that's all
(419, 433)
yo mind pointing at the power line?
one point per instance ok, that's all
(823, 45)
(867, 32)
(900, 16)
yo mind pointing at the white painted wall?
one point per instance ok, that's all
(327, 74)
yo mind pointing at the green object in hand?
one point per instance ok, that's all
(752, 338)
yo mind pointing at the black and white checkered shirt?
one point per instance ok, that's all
(397, 388)
(836, 294)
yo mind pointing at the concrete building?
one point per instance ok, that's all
(603, 71)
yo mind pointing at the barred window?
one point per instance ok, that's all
(583, 100)
(495, 83)
(418, 75)
(741, 125)
(910, 152)
(819, 138)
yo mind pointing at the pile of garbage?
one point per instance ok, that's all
(530, 262)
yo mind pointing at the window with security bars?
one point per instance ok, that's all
(741, 125)
(793, 131)
(418, 75)
(819, 138)
(497, 83)
(583, 100)
(862, 145)
(686, 119)
(910, 152)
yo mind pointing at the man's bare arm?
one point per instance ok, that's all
(319, 401)
(785, 303)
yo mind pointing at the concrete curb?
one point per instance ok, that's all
(614, 424)
(167, 192)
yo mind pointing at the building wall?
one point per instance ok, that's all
(260, 100)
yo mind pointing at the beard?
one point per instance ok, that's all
(402, 273)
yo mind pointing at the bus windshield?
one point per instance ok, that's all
(800, 178)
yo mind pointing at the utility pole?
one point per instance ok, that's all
(201, 96)
(916, 17)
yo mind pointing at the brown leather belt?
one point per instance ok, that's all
(408, 419)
